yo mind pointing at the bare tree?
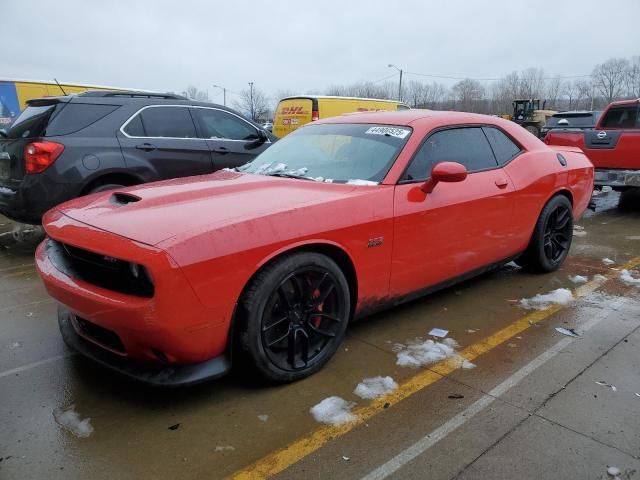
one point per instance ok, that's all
(532, 83)
(584, 94)
(609, 78)
(254, 103)
(553, 88)
(193, 93)
(633, 77)
(467, 93)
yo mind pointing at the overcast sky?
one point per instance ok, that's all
(305, 46)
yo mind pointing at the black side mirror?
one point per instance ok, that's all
(258, 139)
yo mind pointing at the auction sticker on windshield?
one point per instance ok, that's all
(392, 131)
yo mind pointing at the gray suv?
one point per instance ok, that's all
(60, 148)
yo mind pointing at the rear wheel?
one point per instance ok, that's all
(551, 240)
(294, 315)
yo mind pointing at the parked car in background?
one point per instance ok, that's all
(341, 218)
(572, 120)
(65, 147)
(294, 112)
(613, 145)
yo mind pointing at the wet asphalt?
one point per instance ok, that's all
(553, 422)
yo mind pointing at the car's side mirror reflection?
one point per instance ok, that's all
(444, 172)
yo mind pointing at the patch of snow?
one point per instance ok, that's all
(599, 278)
(570, 332)
(512, 266)
(70, 420)
(605, 384)
(578, 279)
(7, 191)
(626, 277)
(298, 171)
(263, 418)
(439, 332)
(16, 345)
(420, 353)
(375, 387)
(328, 180)
(467, 365)
(607, 189)
(633, 237)
(333, 411)
(223, 448)
(613, 471)
(560, 296)
(608, 261)
(579, 233)
(358, 181)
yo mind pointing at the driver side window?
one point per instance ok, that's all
(222, 125)
(466, 145)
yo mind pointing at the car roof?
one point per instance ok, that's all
(409, 117)
(624, 102)
(338, 97)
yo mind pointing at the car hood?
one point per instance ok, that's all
(154, 213)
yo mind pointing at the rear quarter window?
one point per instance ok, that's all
(620, 117)
(32, 122)
(76, 116)
(503, 147)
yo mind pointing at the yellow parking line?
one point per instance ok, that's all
(279, 460)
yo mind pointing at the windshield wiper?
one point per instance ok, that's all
(288, 175)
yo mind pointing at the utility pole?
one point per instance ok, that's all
(251, 100)
(399, 83)
(224, 94)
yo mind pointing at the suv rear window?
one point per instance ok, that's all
(576, 121)
(32, 122)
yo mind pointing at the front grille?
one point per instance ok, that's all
(100, 270)
(102, 336)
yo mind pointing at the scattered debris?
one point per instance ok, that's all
(70, 420)
(599, 278)
(579, 231)
(567, 331)
(22, 232)
(421, 352)
(222, 448)
(560, 296)
(605, 384)
(386, 405)
(333, 411)
(345, 458)
(626, 277)
(533, 324)
(613, 471)
(637, 394)
(578, 279)
(455, 396)
(607, 189)
(512, 345)
(263, 418)
(375, 387)
(608, 261)
(439, 332)
(471, 330)
(29, 314)
(512, 266)
(174, 426)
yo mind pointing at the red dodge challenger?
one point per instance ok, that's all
(167, 282)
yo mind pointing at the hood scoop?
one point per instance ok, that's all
(121, 198)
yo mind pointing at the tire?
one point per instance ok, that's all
(104, 188)
(293, 316)
(551, 239)
(534, 130)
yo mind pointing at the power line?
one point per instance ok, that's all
(385, 78)
(449, 77)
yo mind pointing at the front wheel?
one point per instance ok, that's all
(551, 240)
(294, 316)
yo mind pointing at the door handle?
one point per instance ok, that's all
(501, 182)
(147, 147)
(221, 150)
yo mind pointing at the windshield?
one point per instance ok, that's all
(342, 153)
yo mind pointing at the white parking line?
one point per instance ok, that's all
(441, 432)
(29, 366)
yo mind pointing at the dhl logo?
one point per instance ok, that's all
(293, 111)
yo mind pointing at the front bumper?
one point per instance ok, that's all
(617, 178)
(150, 374)
(170, 331)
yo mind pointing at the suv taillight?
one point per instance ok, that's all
(38, 156)
(315, 115)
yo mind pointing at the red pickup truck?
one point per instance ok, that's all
(613, 146)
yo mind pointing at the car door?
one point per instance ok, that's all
(162, 139)
(458, 227)
(232, 140)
